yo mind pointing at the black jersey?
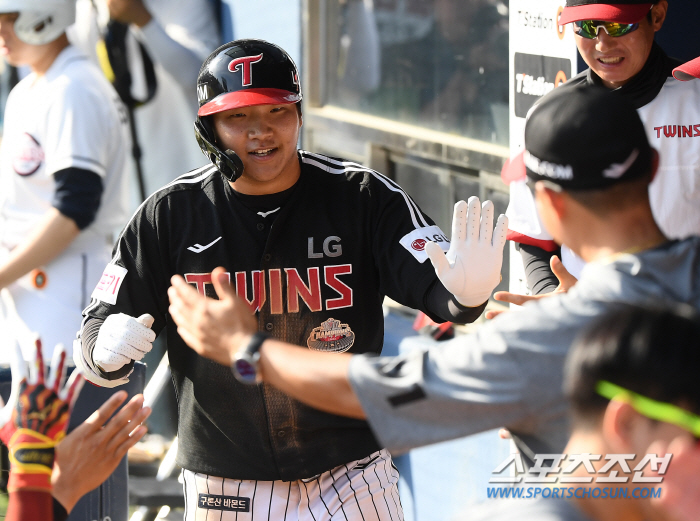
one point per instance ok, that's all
(316, 275)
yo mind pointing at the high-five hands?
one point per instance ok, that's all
(215, 329)
(472, 267)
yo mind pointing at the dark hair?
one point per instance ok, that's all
(615, 198)
(654, 352)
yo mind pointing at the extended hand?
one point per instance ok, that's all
(566, 282)
(36, 417)
(215, 329)
(89, 454)
(472, 267)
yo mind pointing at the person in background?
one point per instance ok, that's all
(177, 36)
(616, 40)
(63, 183)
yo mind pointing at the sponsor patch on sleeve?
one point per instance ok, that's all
(415, 241)
(107, 288)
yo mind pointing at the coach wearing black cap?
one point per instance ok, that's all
(616, 40)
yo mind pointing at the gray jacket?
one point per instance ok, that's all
(509, 372)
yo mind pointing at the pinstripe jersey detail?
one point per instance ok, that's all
(287, 505)
(354, 493)
(308, 501)
(370, 494)
(320, 495)
(223, 483)
(269, 506)
(388, 478)
(322, 498)
(391, 517)
(342, 507)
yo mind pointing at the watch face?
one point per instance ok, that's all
(245, 371)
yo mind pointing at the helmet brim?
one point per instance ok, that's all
(620, 13)
(248, 98)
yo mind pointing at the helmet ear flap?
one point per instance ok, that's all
(228, 162)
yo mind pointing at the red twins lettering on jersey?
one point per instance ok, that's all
(245, 63)
(415, 241)
(28, 155)
(298, 288)
(677, 131)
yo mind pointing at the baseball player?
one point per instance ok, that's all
(62, 183)
(616, 40)
(509, 372)
(313, 244)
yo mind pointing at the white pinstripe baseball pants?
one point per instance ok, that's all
(362, 490)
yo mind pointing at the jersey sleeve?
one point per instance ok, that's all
(137, 278)
(400, 232)
(134, 282)
(80, 131)
(488, 379)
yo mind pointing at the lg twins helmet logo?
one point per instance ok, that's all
(246, 63)
(418, 244)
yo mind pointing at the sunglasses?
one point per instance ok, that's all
(652, 409)
(589, 28)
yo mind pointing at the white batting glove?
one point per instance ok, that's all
(472, 267)
(122, 339)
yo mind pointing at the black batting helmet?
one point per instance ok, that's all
(241, 73)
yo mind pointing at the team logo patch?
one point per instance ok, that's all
(225, 503)
(331, 336)
(107, 288)
(415, 241)
(28, 155)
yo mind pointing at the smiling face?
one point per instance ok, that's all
(618, 60)
(265, 138)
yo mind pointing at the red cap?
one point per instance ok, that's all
(248, 98)
(688, 71)
(625, 13)
(514, 169)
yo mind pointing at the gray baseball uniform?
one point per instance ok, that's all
(509, 372)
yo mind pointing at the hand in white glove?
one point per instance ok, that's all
(472, 267)
(122, 339)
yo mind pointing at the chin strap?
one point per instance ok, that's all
(228, 162)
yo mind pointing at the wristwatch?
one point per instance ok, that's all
(245, 363)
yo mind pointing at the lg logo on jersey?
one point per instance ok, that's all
(331, 248)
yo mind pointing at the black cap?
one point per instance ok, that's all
(585, 138)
